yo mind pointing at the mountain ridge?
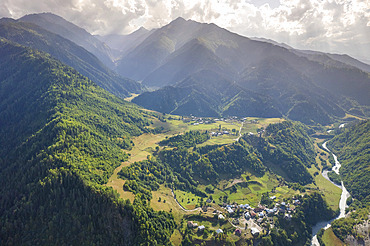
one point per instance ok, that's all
(76, 34)
(320, 88)
(31, 35)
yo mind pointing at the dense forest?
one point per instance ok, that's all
(64, 132)
(188, 139)
(62, 136)
(352, 145)
(353, 149)
(183, 169)
(286, 149)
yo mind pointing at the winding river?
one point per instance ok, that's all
(342, 202)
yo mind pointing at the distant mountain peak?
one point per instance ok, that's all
(178, 19)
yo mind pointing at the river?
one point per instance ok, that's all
(342, 202)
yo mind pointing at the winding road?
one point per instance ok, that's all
(240, 132)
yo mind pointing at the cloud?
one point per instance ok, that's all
(330, 25)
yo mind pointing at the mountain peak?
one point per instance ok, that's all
(178, 20)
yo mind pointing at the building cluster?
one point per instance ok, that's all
(201, 228)
(262, 213)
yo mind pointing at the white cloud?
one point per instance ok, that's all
(329, 25)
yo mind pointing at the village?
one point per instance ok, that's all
(245, 219)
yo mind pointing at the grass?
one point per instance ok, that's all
(249, 191)
(187, 199)
(331, 192)
(169, 206)
(133, 95)
(330, 239)
(141, 149)
(176, 238)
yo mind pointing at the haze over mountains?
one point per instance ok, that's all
(79, 165)
(204, 70)
(67, 51)
(193, 59)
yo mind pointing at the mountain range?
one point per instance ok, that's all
(66, 131)
(213, 72)
(68, 52)
(204, 70)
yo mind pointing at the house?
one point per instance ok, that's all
(247, 215)
(288, 216)
(270, 212)
(218, 231)
(255, 231)
(259, 221)
(253, 214)
(190, 224)
(209, 200)
(261, 214)
(201, 228)
(296, 202)
(238, 232)
(246, 206)
(258, 209)
(221, 217)
(230, 210)
(273, 197)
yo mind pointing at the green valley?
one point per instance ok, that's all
(240, 141)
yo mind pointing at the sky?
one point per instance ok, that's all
(335, 26)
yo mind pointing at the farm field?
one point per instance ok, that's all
(330, 239)
(245, 189)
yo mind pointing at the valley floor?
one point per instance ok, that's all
(246, 189)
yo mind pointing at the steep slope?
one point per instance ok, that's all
(286, 149)
(61, 137)
(70, 31)
(218, 96)
(324, 58)
(353, 149)
(310, 88)
(125, 43)
(193, 57)
(149, 55)
(299, 98)
(69, 53)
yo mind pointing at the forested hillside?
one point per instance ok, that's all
(353, 149)
(286, 149)
(61, 137)
(213, 72)
(69, 53)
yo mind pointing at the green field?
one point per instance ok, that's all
(246, 189)
(331, 192)
(330, 239)
(245, 192)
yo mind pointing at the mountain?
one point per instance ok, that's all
(325, 58)
(56, 24)
(69, 53)
(310, 88)
(192, 96)
(61, 137)
(125, 43)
